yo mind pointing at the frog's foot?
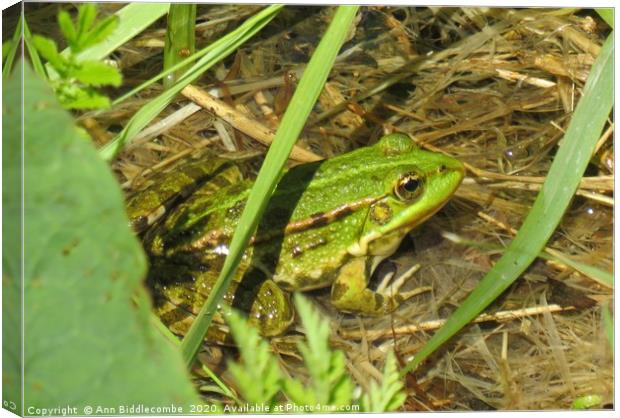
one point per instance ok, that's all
(350, 292)
(271, 312)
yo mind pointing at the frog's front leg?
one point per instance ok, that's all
(350, 292)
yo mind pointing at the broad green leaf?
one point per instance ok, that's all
(66, 27)
(89, 337)
(568, 166)
(11, 240)
(97, 73)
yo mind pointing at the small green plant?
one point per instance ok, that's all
(77, 80)
(328, 388)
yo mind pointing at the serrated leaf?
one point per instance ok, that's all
(102, 30)
(66, 27)
(49, 50)
(256, 374)
(329, 382)
(89, 336)
(97, 73)
(387, 396)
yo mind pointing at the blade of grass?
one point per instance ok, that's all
(15, 44)
(180, 37)
(216, 52)
(293, 121)
(608, 324)
(33, 53)
(560, 185)
(37, 65)
(601, 276)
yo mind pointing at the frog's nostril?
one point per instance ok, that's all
(442, 168)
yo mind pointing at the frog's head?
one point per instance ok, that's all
(417, 183)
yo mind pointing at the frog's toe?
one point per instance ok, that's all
(392, 290)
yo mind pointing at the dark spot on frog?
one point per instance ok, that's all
(442, 168)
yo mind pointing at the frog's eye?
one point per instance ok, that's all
(409, 187)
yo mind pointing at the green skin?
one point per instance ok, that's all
(328, 223)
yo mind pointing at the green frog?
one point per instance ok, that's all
(327, 224)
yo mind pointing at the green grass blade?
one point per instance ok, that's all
(608, 324)
(216, 52)
(180, 38)
(35, 59)
(15, 44)
(133, 19)
(294, 118)
(564, 175)
(601, 276)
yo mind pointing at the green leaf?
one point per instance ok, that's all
(389, 395)
(97, 73)
(102, 30)
(75, 97)
(256, 374)
(48, 50)
(134, 18)
(87, 12)
(563, 179)
(89, 337)
(12, 259)
(329, 384)
(66, 27)
(294, 118)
